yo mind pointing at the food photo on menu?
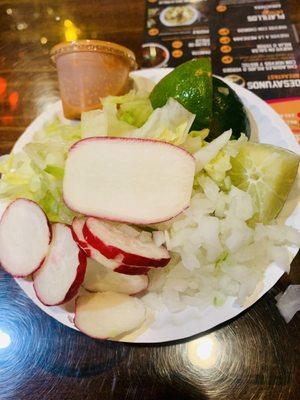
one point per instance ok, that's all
(158, 197)
(175, 32)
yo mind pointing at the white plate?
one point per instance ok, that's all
(269, 128)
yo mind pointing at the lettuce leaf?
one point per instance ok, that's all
(37, 171)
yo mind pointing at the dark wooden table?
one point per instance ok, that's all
(257, 356)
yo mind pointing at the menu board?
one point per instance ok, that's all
(252, 43)
(176, 31)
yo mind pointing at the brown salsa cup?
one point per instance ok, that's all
(91, 69)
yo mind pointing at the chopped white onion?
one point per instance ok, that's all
(215, 253)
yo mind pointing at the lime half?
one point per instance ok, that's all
(267, 173)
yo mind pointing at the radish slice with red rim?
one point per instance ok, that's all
(116, 264)
(62, 272)
(107, 238)
(139, 181)
(24, 237)
(77, 227)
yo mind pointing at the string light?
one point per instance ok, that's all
(71, 30)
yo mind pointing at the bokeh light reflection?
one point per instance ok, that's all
(203, 352)
(5, 340)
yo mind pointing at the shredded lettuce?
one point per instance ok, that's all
(170, 123)
(195, 140)
(211, 150)
(94, 123)
(131, 115)
(217, 168)
(119, 116)
(104, 122)
(37, 171)
(133, 108)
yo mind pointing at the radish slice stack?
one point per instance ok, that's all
(99, 240)
(90, 251)
(113, 242)
(119, 258)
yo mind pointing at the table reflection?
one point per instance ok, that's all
(203, 352)
(5, 340)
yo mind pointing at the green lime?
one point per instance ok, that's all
(191, 85)
(228, 112)
(267, 173)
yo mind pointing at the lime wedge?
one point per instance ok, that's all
(267, 173)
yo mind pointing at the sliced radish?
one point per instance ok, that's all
(115, 264)
(107, 315)
(24, 237)
(77, 226)
(112, 242)
(100, 279)
(90, 251)
(139, 181)
(62, 272)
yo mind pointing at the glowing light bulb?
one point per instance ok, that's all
(5, 340)
(68, 23)
(71, 30)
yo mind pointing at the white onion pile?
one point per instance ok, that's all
(215, 254)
